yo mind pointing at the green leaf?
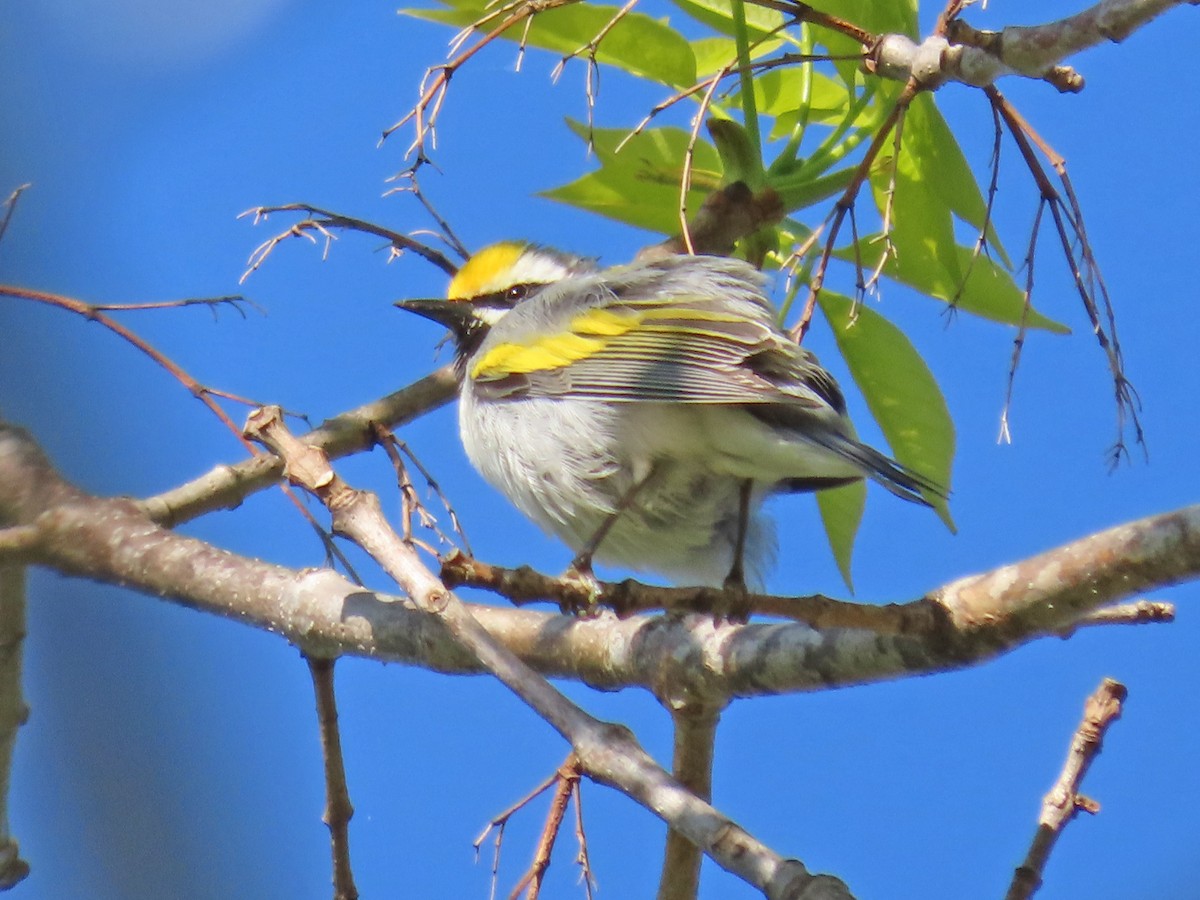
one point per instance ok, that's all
(638, 44)
(922, 225)
(945, 166)
(640, 184)
(713, 53)
(841, 512)
(989, 292)
(738, 152)
(878, 16)
(899, 389)
(798, 190)
(761, 22)
(777, 91)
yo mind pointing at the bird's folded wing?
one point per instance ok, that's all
(680, 349)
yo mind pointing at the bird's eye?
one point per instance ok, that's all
(517, 292)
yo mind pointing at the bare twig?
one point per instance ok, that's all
(10, 207)
(588, 51)
(228, 485)
(393, 447)
(566, 784)
(889, 206)
(436, 80)
(445, 232)
(93, 313)
(582, 857)
(235, 300)
(1023, 327)
(338, 809)
(1068, 220)
(13, 711)
(500, 822)
(321, 221)
(846, 202)
(982, 242)
(685, 176)
(524, 585)
(1140, 612)
(1064, 801)
(802, 12)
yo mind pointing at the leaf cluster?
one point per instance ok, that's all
(789, 111)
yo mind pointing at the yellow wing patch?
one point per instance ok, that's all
(479, 274)
(592, 332)
(588, 334)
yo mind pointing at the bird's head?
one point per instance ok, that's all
(492, 282)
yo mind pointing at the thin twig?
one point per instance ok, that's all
(225, 486)
(393, 447)
(1023, 326)
(500, 822)
(234, 300)
(982, 244)
(436, 80)
(582, 858)
(1067, 219)
(1064, 801)
(846, 202)
(338, 808)
(589, 51)
(566, 780)
(889, 205)
(93, 314)
(10, 207)
(321, 220)
(445, 232)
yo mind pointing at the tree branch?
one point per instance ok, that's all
(338, 808)
(13, 711)
(1034, 51)
(692, 764)
(608, 753)
(972, 619)
(1064, 801)
(226, 486)
(969, 620)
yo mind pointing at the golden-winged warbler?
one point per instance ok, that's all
(643, 412)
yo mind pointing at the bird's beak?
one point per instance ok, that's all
(455, 315)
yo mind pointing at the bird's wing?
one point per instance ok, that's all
(685, 349)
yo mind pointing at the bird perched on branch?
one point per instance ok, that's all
(642, 413)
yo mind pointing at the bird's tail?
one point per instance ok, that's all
(906, 483)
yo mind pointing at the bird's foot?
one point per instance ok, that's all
(734, 604)
(582, 594)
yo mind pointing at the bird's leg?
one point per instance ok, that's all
(579, 572)
(737, 609)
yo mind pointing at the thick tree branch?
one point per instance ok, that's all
(1034, 51)
(980, 616)
(112, 540)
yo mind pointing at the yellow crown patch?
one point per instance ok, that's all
(486, 271)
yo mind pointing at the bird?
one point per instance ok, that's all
(642, 413)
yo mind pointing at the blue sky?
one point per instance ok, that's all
(174, 754)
